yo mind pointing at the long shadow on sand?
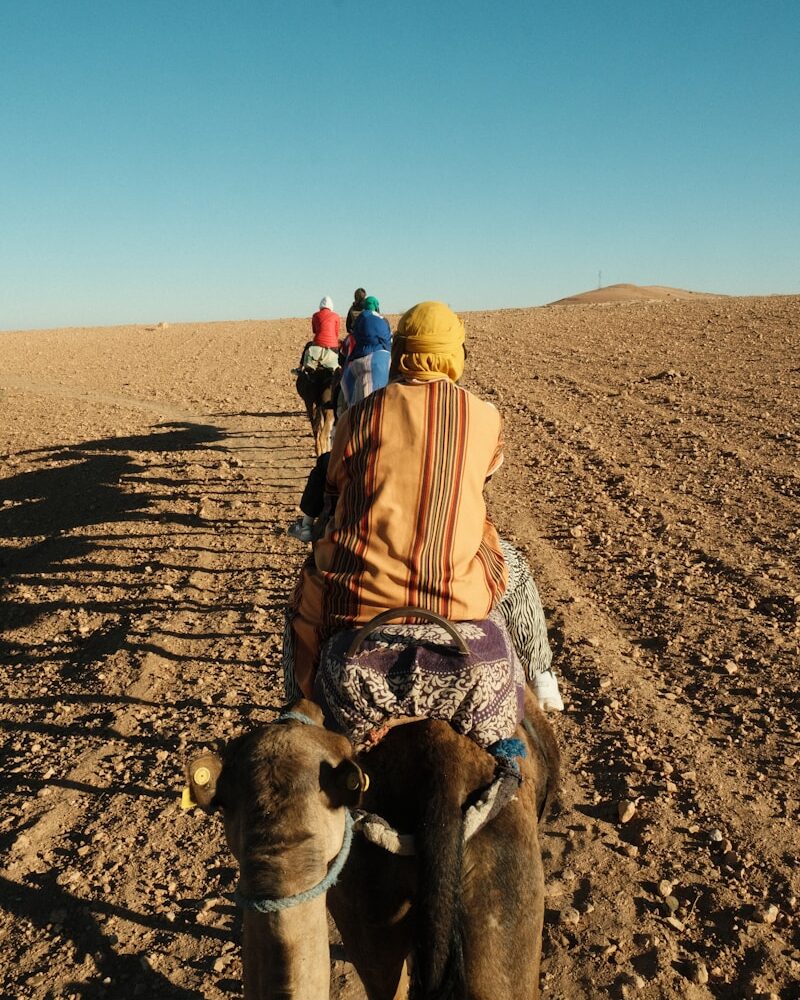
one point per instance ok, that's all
(84, 484)
(126, 974)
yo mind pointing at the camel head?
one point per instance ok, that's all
(283, 790)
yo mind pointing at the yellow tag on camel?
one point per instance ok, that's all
(187, 802)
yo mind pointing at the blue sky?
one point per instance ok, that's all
(181, 160)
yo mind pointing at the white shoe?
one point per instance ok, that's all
(545, 687)
(300, 530)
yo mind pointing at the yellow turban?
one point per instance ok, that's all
(429, 343)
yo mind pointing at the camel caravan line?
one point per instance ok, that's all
(403, 786)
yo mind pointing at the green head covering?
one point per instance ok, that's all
(371, 303)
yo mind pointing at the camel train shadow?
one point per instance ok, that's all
(119, 973)
(48, 520)
(42, 514)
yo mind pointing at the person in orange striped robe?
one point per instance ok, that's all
(407, 472)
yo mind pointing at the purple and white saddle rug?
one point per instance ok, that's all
(413, 670)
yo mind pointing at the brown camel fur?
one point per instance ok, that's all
(466, 918)
(315, 388)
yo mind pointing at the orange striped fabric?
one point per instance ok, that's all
(407, 469)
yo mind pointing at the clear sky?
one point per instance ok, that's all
(181, 160)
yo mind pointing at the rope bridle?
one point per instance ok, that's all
(376, 830)
(285, 902)
(266, 905)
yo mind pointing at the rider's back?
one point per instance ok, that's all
(409, 465)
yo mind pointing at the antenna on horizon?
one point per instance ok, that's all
(599, 279)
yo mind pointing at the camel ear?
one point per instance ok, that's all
(202, 773)
(344, 784)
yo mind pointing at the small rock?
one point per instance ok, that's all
(626, 810)
(672, 903)
(569, 915)
(675, 923)
(716, 836)
(665, 887)
(698, 972)
(769, 915)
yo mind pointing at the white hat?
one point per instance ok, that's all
(326, 303)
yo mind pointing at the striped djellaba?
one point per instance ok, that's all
(407, 472)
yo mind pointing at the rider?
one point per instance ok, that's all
(320, 357)
(410, 527)
(323, 349)
(366, 364)
(325, 325)
(353, 312)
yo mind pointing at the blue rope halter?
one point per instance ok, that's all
(335, 870)
(295, 717)
(285, 902)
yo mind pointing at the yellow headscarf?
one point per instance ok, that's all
(429, 343)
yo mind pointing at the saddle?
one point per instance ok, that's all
(315, 357)
(466, 674)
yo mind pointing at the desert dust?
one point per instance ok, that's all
(651, 476)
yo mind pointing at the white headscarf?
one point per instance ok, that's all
(326, 303)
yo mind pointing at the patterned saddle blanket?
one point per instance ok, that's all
(320, 357)
(414, 670)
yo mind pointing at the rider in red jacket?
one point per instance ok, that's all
(325, 325)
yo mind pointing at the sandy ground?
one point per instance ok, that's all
(148, 477)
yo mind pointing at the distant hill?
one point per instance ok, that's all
(632, 293)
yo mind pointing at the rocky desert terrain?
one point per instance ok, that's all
(147, 478)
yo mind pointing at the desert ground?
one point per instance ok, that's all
(149, 474)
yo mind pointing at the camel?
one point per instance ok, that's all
(315, 388)
(457, 918)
